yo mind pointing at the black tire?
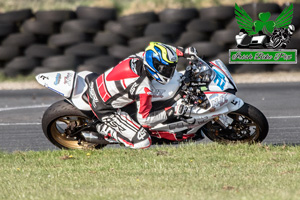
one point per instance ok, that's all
(20, 65)
(8, 52)
(224, 37)
(86, 50)
(125, 30)
(102, 61)
(16, 16)
(120, 52)
(57, 112)
(140, 43)
(39, 27)
(138, 19)
(201, 25)
(190, 37)
(6, 28)
(296, 9)
(162, 28)
(40, 70)
(19, 40)
(223, 56)
(57, 63)
(96, 13)
(257, 68)
(92, 68)
(294, 43)
(233, 25)
(207, 49)
(287, 67)
(246, 114)
(178, 15)
(66, 39)
(41, 51)
(81, 25)
(55, 15)
(256, 8)
(108, 39)
(221, 13)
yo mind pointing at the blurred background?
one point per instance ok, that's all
(49, 35)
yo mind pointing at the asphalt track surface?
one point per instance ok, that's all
(21, 113)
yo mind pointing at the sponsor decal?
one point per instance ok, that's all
(44, 77)
(93, 95)
(272, 35)
(141, 134)
(218, 101)
(133, 88)
(68, 79)
(57, 79)
(220, 79)
(192, 123)
(158, 93)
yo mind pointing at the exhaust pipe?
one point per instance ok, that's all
(93, 137)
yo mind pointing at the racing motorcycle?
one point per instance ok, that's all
(206, 89)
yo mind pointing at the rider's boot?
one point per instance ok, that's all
(109, 134)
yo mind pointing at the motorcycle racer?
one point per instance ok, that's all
(128, 82)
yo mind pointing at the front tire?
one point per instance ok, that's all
(61, 116)
(248, 125)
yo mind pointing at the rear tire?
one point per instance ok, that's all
(246, 118)
(57, 117)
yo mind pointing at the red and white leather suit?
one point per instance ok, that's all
(119, 86)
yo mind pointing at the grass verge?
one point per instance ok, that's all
(189, 171)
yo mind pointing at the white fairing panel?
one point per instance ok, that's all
(60, 82)
(218, 64)
(80, 88)
(164, 92)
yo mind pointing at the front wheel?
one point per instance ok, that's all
(247, 125)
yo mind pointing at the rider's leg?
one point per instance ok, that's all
(125, 130)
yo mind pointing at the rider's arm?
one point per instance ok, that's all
(144, 106)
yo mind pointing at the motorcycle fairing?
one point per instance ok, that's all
(80, 87)
(164, 92)
(220, 68)
(60, 82)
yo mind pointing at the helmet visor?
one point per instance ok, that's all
(166, 70)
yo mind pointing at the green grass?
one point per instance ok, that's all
(189, 171)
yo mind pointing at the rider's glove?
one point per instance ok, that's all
(190, 51)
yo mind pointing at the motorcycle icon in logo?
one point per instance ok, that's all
(271, 34)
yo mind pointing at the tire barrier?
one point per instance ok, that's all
(94, 38)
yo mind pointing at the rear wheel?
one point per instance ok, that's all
(60, 121)
(246, 125)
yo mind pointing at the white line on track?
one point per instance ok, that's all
(19, 124)
(284, 117)
(24, 107)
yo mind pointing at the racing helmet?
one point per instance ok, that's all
(160, 61)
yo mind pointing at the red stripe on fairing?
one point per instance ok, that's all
(170, 136)
(214, 92)
(218, 67)
(102, 88)
(145, 103)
